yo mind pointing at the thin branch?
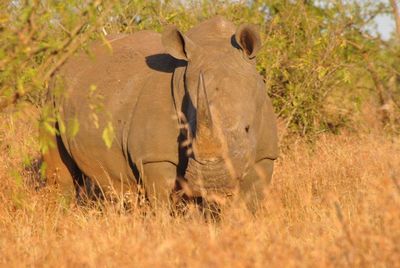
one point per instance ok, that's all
(396, 15)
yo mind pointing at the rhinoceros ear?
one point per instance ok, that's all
(177, 44)
(248, 38)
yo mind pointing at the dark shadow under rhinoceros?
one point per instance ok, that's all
(190, 114)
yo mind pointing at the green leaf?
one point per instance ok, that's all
(49, 128)
(108, 135)
(73, 127)
(346, 77)
(321, 72)
(61, 124)
(43, 168)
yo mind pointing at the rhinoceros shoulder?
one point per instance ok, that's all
(145, 43)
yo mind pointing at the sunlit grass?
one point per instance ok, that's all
(334, 203)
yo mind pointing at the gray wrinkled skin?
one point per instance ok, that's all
(190, 113)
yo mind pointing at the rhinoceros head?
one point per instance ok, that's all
(227, 95)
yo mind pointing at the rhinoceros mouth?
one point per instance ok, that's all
(211, 177)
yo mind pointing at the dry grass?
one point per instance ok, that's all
(335, 203)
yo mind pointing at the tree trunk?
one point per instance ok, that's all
(385, 100)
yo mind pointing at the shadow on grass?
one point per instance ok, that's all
(32, 173)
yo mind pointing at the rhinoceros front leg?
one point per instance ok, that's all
(159, 181)
(253, 185)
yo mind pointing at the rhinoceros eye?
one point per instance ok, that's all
(247, 128)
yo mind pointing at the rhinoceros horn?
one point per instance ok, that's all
(207, 144)
(203, 118)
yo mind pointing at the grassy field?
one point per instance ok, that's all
(334, 199)
(333, 203)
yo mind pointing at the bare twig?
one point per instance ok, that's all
(396, 15)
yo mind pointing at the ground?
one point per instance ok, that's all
(335, 202)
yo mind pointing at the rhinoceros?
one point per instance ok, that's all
(188, 115)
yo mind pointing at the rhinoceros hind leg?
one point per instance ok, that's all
(62, 171)
(253, 186)
(57, 171)
(159, 180)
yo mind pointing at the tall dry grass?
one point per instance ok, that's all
(334, 203)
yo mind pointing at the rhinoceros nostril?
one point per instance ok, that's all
(247, 128)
